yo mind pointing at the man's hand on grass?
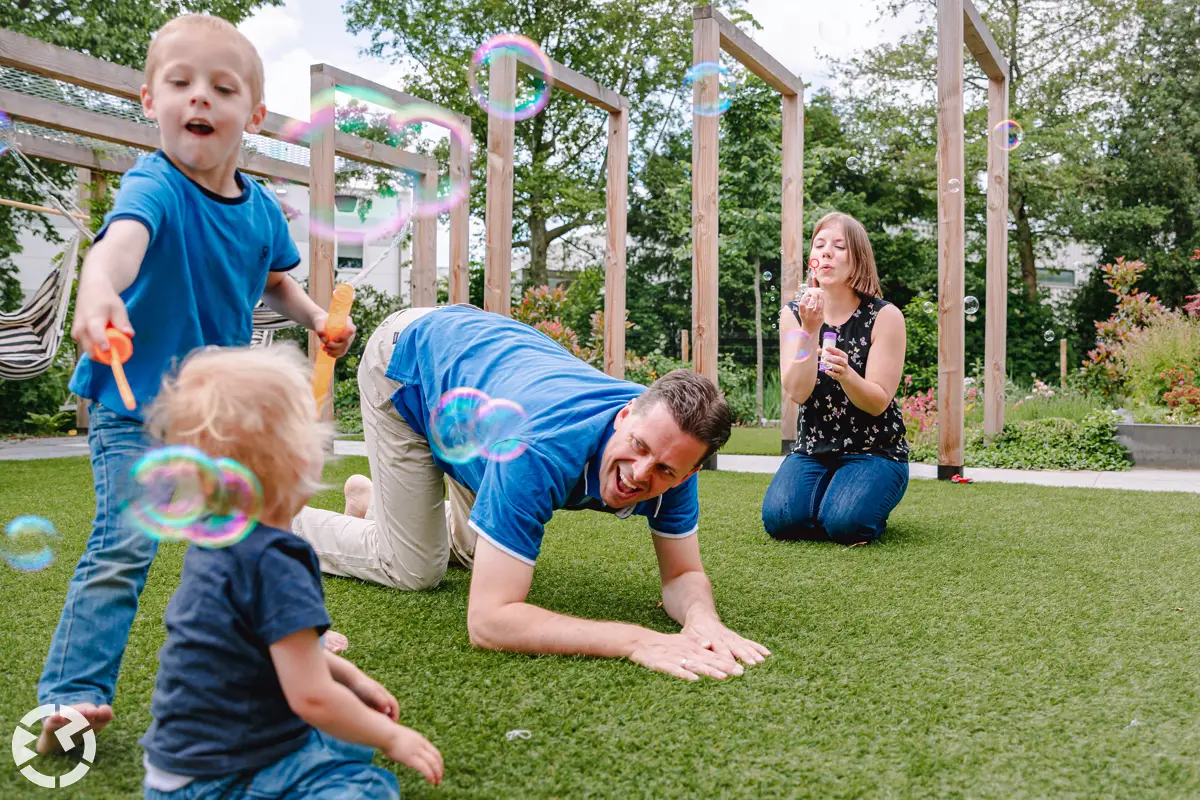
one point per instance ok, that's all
(682, 656)
(711, 634)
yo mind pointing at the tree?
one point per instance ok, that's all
(559, 172)
(117, 31)
(1062, 57)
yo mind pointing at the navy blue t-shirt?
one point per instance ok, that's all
(218, 707)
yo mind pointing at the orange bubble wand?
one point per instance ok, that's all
(120, 350)
(339, 313)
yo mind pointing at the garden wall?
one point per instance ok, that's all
(1163, 446)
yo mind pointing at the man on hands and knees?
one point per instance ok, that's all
(590, 442)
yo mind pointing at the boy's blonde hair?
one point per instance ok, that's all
(254, 405)
(155, 55)
(864, 276)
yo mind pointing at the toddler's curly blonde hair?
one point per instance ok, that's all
(255, 406)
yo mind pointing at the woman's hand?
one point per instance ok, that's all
(812, 310)
(837, 363)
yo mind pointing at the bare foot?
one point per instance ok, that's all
(97, 716)
(358, 496)
(336, 642)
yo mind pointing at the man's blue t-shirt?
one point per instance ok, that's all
(204, 270)
(218, 707)
(570, 408)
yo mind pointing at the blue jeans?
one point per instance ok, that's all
(102, 598)
(325, 768)
(846, 499)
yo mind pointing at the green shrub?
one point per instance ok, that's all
(1051, 444)
(37, 397)
(1169, 342)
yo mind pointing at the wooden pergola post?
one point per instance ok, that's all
(83, 180)
(460, 221)
(792, 241)
(502, 89)
(614, 252)
(959, 22)
(712, 33)
(423, 289)
(322, 250)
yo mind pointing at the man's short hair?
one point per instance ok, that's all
(697, 405)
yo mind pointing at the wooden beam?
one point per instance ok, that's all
(951, 237)
(683, 347)
(706, 45)
(735, 42)
(1062, 362)
(73, 154)
(59, 116)
(574, 83)
(502, 89)
(321, 249)
(996, 333)
(614, 252)
(342, 78)
(791, 237)
(423, 292)
(58, 63)
(460, 222)
(83, 186)
(40, 209)
(982, 45)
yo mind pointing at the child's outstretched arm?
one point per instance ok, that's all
(367, 689)
(284, 295)
(110, 268)
(321, 701)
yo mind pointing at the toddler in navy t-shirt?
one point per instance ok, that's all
(247, 702)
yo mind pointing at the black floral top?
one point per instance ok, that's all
(829, 423)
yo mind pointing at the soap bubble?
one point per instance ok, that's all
(929, 307)
(1049, 336)
(953, 186)
(180, 494)
(853, 163)
(834, 31)
(727, 86)
(29, 543)
(533, 90)
(453, 425)
(970, 305)
(767, 276)
(1007, 135)
(467, 424)
(501, 424)
(802, 341)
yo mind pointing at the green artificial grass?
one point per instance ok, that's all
(753, 442)
(998, 643)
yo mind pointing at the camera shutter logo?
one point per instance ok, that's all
(23, 737)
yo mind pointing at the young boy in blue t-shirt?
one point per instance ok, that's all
(247, 704)
(187, 251)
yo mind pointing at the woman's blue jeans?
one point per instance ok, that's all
(843, 498)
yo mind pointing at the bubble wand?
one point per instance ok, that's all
(339, 313)
(120, 350)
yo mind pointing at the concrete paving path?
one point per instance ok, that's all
(1149, 480)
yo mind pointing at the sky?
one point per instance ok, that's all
(802, 34)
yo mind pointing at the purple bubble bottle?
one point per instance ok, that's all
(828, 340)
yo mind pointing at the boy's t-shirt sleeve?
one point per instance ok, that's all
(284, 255)
(144, 196)
(288, 596)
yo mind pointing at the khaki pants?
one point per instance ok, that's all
(403, 542)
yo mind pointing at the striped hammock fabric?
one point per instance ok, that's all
(29, 337)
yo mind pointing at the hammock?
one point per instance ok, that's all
(29, 338)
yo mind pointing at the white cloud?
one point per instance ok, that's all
(273, 28)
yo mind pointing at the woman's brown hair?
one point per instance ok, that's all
(864, 277)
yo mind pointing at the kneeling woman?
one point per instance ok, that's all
(849, 467)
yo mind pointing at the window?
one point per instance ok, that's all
(349, 262)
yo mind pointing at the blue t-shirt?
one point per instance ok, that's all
(218, 707)
(204, 270)
(570, 408)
